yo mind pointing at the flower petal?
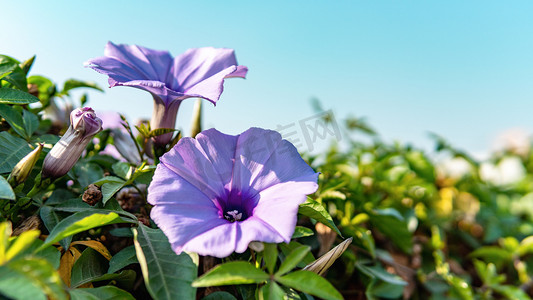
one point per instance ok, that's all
(255, 229)
(263, 159)
(181, 210)
(182, 223)
(218, 241)
(220, 150)
(201, 72)
(188, 160)
(278, 205)
(153, 64)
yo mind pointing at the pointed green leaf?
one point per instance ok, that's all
(380, 273)
(23, 241)
(301, 231)
(293, 259)
(87, 268)
(271, 291)
(310, 283)
(78, 222)
(235, 272)
(12, 150)
(31, 122)
(14, 119)
(7, 65)
(315, 210)
(270, 255)
(17, 78)
(107, 292)
(27, 64)
(12, 96)
(122, 259)
(74, 83)
(29, 274)
(161, 131)
(6, 192)
(166, 274)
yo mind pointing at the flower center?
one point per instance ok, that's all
(233, 215)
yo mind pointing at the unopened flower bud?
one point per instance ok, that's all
(24, 166)
(84, 124)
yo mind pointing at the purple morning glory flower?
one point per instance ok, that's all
(215, 194)
(198, 72)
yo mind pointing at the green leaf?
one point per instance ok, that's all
(511, 292)
(493, 254)
(396, 229)
(17, 78)
(100, 293)
(123, 170)
(235, 272)
(12, 150)
(21, 243)
(286, 249)
(380, 273)
(296, 256)
(73, 84)
(51, 253)
(7, 65)
(21, 278)
(122, 259)
(87, 172)
(166, 274)
(87, 268)
(219, 295)
(526, 246)
(315, 210)
(14, 118)
(17, 286)
(110, 186)
(12, 96)
(301, 231)
(271, 291)
(382, 289)
(161, 131)
(26, 65)
(270, 255)
(420, 165)
(78, 222)
(31, 122)
(310, 283)
(45, 86)
(6, 192)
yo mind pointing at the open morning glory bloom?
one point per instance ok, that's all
(215, 194)
(198, 73)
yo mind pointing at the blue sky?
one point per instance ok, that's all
(462, 69)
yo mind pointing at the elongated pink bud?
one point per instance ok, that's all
(84, 124)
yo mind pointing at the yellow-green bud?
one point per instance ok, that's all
(23, 168)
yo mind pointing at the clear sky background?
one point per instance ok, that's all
(462, 69)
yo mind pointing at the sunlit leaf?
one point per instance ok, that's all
(315, 210)
(235, 272)
(78, 222)
(310, 283)
(100, 293)
(166, 274)
(12, 96)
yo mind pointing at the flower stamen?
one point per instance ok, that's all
(233, 215)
